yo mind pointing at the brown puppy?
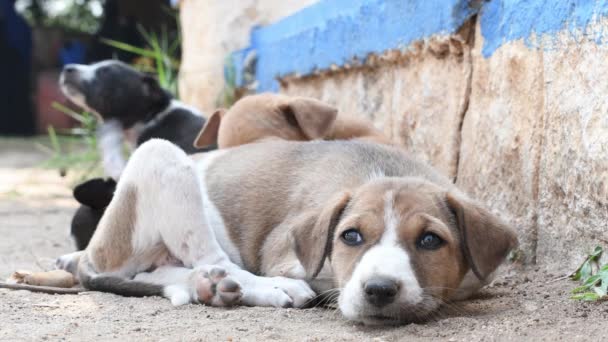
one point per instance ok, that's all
(267, 223)
(267, 115)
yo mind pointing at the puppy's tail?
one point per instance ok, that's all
(90, 280)
(123, 287)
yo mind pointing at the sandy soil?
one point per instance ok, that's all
(35, 210)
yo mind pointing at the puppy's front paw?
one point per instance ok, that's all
(213, 286)
(68, 262)
(298, 290)
(279, 292)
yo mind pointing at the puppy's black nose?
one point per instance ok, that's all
(69, 69)
(380, 291)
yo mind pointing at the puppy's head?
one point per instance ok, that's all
(113, 89)
(401, 247)
(263, 116)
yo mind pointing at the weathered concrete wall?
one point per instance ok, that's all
(213, 29)
(573, 170)
(417, 98)
(508, 97)
(502, 134)
(535, 137)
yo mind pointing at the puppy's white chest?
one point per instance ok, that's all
(213, 218)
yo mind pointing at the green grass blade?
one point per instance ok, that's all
(587, 296)
(69, 112)
(54, 140)
(129, 48)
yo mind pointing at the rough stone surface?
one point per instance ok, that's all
(535, 143)
(417, 97)
(573, 173)
(212, 30)
(501, 136)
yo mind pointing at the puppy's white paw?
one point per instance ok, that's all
(279, 292)
(298, 290)
(178, 295)
(213, 286)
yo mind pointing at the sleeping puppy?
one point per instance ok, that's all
(267, 115)
(128, 103)
(275, 223)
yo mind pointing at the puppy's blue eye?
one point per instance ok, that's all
(429, 241)
(352, 237)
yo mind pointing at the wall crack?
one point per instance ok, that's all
(468, 31)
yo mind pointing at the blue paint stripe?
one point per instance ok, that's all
(337, 31)
(508, 20)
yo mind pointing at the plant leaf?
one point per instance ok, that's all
(591, 281)
(587, 296)
(128, 47)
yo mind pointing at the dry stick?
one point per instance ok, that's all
(43, 289)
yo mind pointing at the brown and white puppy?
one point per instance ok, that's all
(265, 224)
(267, 115)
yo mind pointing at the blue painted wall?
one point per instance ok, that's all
(507, 20)
(340, 31)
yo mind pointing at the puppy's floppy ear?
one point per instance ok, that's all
(486, 240)
(208, 135)
(313, 117)
(95, 193)
(314, 244)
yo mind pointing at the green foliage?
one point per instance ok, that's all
(76, 149)
(161, 55)
(593, 278)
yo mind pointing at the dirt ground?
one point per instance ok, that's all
(35, 211)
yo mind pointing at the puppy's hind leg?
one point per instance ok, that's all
(129, 237)
(171, 214)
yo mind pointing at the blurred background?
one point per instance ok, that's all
(38, 37)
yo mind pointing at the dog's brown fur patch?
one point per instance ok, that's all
(111, 245)
(263, 116)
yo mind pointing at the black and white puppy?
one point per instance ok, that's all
(131, 106)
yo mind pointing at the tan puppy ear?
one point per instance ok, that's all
(486, 240)
(208, 135)
(313, 117)
(314, 244)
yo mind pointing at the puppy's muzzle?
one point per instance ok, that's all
(70, 76)
(381, 291)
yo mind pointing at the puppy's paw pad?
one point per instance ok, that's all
(214, 287)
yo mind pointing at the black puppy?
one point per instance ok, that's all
(132, 107)
(94, 196)
(129, 104)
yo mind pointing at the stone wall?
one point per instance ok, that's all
(510, 102)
